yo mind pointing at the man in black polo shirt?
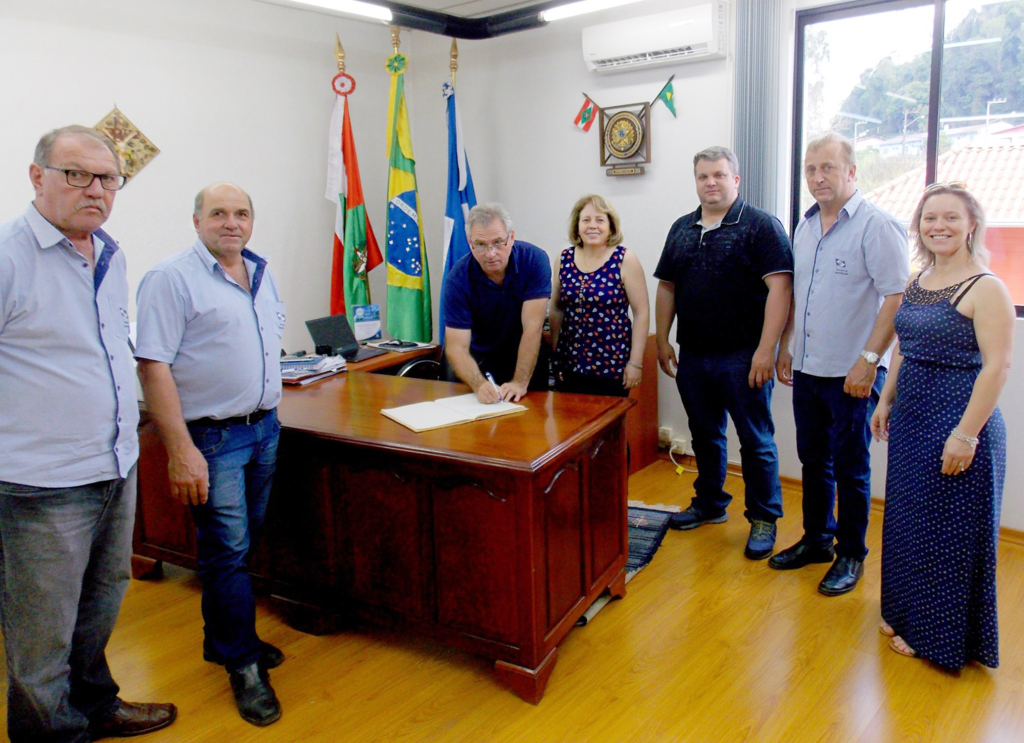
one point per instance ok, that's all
(727, 274)
(495, 301)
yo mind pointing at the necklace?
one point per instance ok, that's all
(597, 262)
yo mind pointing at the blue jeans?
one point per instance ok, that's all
(832, 440)
(64, 567)
(712, 385)
(241, 461)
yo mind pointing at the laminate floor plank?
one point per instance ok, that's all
(706, 646)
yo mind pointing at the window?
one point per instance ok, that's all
(928, 90)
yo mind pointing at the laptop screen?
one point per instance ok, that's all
(334, 331)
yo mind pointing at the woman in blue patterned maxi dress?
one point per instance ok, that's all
(947, 441)
(598, 349)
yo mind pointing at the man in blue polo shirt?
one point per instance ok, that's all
(852, 264)
(495, 300)
(726, 273)
(68, 448)
(210, 326)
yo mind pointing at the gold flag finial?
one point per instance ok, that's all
(394, 36)
(339, 53)
(454, 54)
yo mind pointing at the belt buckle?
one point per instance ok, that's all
(247, 417)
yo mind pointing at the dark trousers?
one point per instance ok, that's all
(832, 441)
(241, 461)
(713, 385)
(64, 568)
(585, 384)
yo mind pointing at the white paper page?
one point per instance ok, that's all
(470, 407)
(423, 416)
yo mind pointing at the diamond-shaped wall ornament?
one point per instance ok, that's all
(133, 146)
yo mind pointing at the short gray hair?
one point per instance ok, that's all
(482, 215)
(45, 146)
(197, 207)
(830, 137)
(714, 154)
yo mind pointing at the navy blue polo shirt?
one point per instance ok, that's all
(492, 312)
(719, 276)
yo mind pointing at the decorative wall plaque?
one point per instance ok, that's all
(625, 138)
(133, 146)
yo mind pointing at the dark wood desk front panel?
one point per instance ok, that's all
(492, 536)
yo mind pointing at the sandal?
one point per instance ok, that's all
(908, 653)
(886, 630)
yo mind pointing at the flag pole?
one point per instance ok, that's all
(663, 89)
(591, 100)
(339, 52)
(454, 55)
(395, 42)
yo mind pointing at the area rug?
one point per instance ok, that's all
(647, 528)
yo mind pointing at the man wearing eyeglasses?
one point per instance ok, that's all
(495, 301)
(68, 448)
(852, 262)
(210, 326)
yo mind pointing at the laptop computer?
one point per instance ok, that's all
(334, 331)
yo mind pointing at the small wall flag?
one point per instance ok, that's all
(585, 118)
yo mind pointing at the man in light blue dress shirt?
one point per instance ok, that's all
(68, 448)
(852, 262)
(210, 326)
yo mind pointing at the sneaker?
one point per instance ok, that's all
(691, 518)
(761, 541)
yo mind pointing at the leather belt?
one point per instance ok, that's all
(242, 420)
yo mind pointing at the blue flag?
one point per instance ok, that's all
(461, 196)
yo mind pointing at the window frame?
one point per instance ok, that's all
(853, 9)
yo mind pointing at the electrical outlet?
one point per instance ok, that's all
(680, 445)
(664, 436)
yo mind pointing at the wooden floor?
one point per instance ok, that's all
(706, 646)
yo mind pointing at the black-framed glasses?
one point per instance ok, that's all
(84, 179)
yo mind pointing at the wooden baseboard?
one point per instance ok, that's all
(1006, 534)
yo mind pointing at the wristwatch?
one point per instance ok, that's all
(869, 356)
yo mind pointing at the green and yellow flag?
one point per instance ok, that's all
(668, 97)
(408, 301)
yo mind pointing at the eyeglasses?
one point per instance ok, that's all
(495, 245)
(84, 179)
(951, 184)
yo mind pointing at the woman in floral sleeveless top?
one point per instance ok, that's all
(599, 350)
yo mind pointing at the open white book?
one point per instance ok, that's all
(448, 411)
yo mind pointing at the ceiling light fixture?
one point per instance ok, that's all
(351, 7)
(586, 6)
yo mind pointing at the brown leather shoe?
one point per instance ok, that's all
(133, 719)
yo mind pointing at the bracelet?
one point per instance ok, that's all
(635, 366)
(956, 434)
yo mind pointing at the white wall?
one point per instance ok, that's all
(228, 90)
(239, 90)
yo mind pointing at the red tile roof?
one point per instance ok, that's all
(995, 175)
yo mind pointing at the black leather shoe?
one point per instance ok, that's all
(270, 657)
(800, 555)
(256, 700)
(842, 577)
(133, 719)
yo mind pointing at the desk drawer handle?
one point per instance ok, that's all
(451, 483)
(569, 466)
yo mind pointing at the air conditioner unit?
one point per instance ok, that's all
(689, 35)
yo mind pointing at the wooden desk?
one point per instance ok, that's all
(493, 536)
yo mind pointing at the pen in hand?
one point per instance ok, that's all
(493, 384)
